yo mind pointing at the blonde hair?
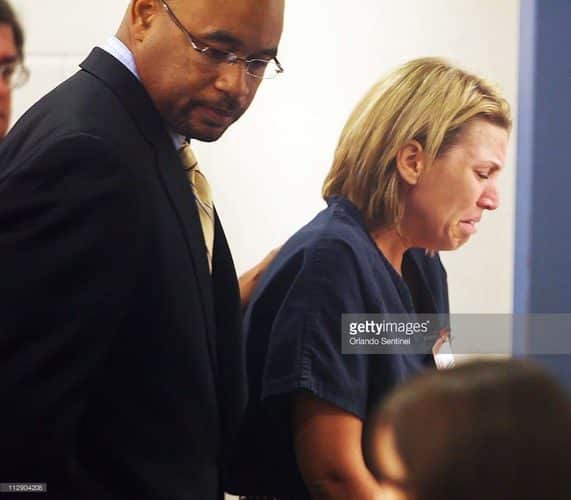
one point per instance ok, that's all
(427, 100)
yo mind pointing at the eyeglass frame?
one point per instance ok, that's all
(17, 65)
(230, 57)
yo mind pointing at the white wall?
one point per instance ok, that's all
(267, 170)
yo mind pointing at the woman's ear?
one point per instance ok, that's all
(410, 162)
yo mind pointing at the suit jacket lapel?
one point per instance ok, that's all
(229, 337)
(170, 169)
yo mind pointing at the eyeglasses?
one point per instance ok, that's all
(257, 68)
(14, 74)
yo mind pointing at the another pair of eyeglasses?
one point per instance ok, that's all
(257, 68)
(14, 74)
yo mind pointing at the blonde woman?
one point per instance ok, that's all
(415, 169)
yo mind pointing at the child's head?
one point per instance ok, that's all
(494, 430)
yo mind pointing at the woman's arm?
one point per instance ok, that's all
(327, 443)
(250, 278)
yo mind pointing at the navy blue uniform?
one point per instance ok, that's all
(293, 336)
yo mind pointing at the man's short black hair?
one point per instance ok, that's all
(8, 16)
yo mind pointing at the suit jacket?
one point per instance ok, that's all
(121, 366)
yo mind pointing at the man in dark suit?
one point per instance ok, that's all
(121, 360)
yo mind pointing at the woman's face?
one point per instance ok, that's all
(443, 208)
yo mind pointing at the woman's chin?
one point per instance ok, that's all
(457, 243)
(447, 245)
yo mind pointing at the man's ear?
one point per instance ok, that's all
(141, 15)
(410, 162)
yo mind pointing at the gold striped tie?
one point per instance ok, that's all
(203, 196)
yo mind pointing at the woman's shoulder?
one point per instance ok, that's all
(333, 248)
(337, 230)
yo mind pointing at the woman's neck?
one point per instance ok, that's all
(392, 245)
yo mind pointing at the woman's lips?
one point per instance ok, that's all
(469, 225)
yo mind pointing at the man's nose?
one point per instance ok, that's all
(234, 80)
(4, 86)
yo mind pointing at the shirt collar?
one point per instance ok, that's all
(121, 52)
